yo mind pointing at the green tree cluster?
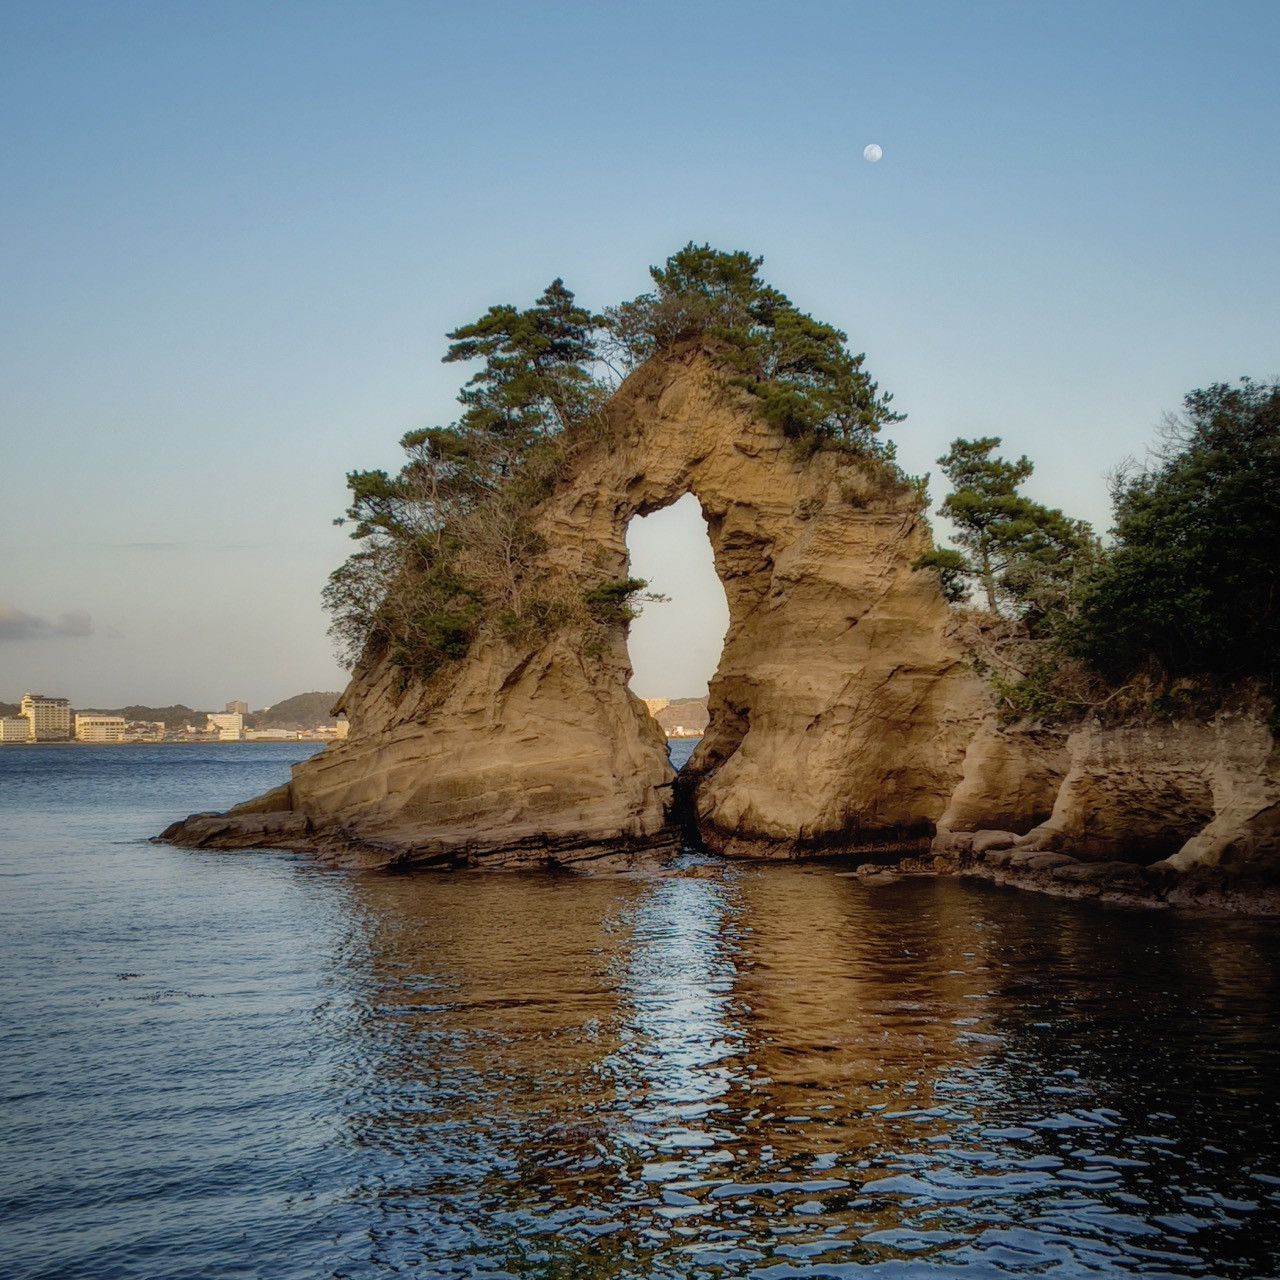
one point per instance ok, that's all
(807, 380)
(446, 541)
(1192, 583)
(446, 544)
(1025, 557)
(1185, 601)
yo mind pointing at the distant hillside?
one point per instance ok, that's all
(174, 717)
(302, 711)
(689, 714)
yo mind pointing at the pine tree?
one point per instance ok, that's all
(1022, 554)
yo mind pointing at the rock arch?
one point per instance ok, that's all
(840, 710)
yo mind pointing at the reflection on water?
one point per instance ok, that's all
(219, 1065)
(783, 1072)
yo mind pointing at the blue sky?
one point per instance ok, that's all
(233, 236)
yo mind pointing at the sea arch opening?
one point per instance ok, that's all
(676, 643)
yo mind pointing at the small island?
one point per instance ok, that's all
(1032, 705)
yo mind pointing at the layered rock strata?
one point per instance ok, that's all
(1178, 812)
(843, 716)
(840, 712)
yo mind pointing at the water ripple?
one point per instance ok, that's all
(243, 1066)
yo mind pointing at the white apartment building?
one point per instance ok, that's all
(15, 729)
(50, 717)
(93, 728)
(229, 727)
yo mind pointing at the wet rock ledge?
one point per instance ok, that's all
(995, 856)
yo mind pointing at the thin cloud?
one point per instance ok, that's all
(17, 625)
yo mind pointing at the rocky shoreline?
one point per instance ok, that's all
(846, 718)
(1003, 858)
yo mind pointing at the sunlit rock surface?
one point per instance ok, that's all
(843, 716)
(1180, 812)
(840, 712)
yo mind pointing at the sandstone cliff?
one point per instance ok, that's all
(840, 713)
(843, 715)
(1179, 811)
(1177, 793)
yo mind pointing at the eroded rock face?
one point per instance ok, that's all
(1180, 795)
(841, 708)
(1009, 782)
(840, 712)
(843, 716)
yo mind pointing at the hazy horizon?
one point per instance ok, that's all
(234, 238)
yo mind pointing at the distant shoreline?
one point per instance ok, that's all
(171, 742)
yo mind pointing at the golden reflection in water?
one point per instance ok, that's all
(620, 1076)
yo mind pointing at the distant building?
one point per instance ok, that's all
(15, 729)
(50, 717)
(343, 727)
(229, 726)
(145, 731)
(237, 708)
(95, 728)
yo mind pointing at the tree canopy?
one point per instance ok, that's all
(807, 380)
(1192, 583)
(1023, 555)
(1182, 606)
(445, 541)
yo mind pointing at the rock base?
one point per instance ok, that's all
(342, 848)
(1116, 883)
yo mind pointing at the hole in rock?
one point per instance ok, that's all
(675, 644)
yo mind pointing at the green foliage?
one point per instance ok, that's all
(1192, 583)
(1034, 696)
(446, 541)
(616, 600)
(953, 572)
(539, 616)
(1025, 556)
(807, 381)
(535, 380)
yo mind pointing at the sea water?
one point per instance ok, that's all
(227, 1065)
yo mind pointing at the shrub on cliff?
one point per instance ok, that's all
(807, 380)
(446, 542)
(1192, 583)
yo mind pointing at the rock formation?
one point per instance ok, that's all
(1178, 794)
(843, 715)
(1176, 811)
(840, 712)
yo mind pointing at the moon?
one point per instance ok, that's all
(871, 153)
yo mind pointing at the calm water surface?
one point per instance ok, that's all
(226, 1065)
